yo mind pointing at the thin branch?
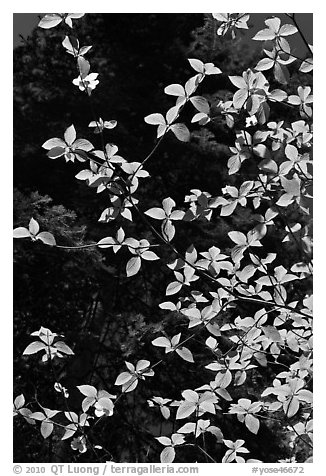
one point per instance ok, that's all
(300, 31)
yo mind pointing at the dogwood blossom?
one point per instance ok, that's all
(88, 83)
(70, 147)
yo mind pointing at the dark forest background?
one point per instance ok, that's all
(105, 317)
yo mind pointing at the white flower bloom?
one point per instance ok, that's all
(89, 82)
(251, 121)
(79, 443)
(70, 147)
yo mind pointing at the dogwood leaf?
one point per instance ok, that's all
(133, 266)
(181, 132)
(47, 238)
(155, 119)
(88, 390)
(21, 232)
(50, 21)
(34, 347)
(185, 354)
(252, 423)
(167, 455)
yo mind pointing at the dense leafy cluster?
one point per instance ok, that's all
(238, 327)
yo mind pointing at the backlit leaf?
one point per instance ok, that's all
(123, 378)
(63, 347)
(168, 230)
(261, 151)
(238, 81)
(172, 114)
(161, 342)
(200, 103)
(21, 232)
(264, 64)
(47, 238)
(291, 152)
(223, 17)
(264, 35)
(157, 213)
(285, 200)
(71, 43)
(165, 412)
(228, 209)
(70, 430)
(185, 409)
(19, 401)
(55, 142)
(281, 73)
(83, 144)
(167, 455)
(181, 132)
(239, 98)
(149, 256)
(278, 95)
(173, 288)
(50, 21)
(164, 440)
(34, 347)
(197, 65)
(55, 152)
(306, 66)
(155, 119)
(88, 390)
(142, 365)
(185, 354)
(133, 266)
(268, 166)
(272, 333)
(33, 227)
(291, 406)
(83, 66)
(187, 428)
(287, 30)
(175, 90)
(238, 237)
(106, 242)
(46, 428)
(168, 305)
(252, 423)
(70, 134)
